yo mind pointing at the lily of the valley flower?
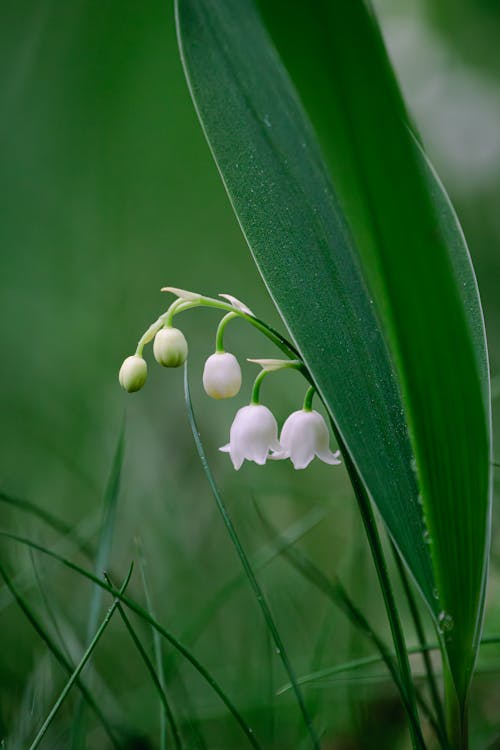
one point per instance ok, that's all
(253, 434)
(133, 373)
(222, 375)
(170, 347)
(303, 436)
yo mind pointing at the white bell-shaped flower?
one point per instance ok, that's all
(133, 373)
(254, 433)
(222, 375)
(303, 436)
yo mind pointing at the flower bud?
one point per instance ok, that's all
(222, 375)
(170, 347)
(133, 373)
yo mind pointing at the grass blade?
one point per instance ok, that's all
(157, 681)
(102, 559)
(166, 715)
(141, 612)
(368, 661)
(252, 580)
(58, 654)
(86, 656)
(49, 518)
(336, 592)
(419, 629)
(258, 562)
(108, 523)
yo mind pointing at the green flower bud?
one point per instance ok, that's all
(133, 373)
(170, 347)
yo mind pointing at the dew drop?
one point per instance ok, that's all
(445, 622)
(435, 593)
(427, 537)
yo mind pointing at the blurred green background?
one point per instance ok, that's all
(108, 192)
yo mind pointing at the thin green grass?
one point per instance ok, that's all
(157, 681)
(420, 632)
(48, 607)
(166, 715)
(36, 623)
(110, 502)
(83, 661)
(252, 580)
(139, 610)
(368, 661)
(335, 591)
(260, 560)
(50, 519)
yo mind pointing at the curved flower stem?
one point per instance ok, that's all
(181, 305)
(219, 338)
(169, 315)
(419, 629)
(255, 400)
(308, 398)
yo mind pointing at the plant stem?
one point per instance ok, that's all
(219, 338)
(255, 400)
(419, 629)
(252, 579)
(308, 398)
(369, 523)
(456, 714)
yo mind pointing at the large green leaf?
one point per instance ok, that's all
(417, 262)
(312, 219)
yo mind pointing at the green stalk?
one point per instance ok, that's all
(419, 629)
(166, 715)
(58, 653)
(74, 677)
(255, 400)
(145, 615)
(254, 584)
(456, 714)
(286, 347)
(219, 337)
(149, 666)
(336, 592)
(372, 534)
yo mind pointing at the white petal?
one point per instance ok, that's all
(301, 456)
(292, 430)
(271, 365)
(258, 452)
(237, 304)
(329, 458)
(236, 457)
(182, 293)
(279, 455)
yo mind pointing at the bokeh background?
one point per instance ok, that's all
(108, 192)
